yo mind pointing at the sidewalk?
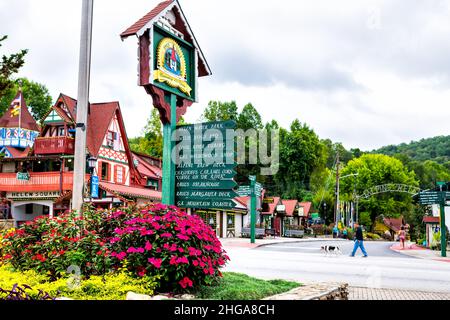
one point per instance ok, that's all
(245, 242)
(416, 251)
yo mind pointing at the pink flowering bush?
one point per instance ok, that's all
(50, 246)
(155, 241)
(164, 241)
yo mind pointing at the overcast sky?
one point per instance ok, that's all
(364, 73)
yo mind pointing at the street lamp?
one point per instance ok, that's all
(92, 163)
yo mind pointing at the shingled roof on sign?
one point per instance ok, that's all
(181, 24)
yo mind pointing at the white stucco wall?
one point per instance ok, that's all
(436, 213)
(18, 210)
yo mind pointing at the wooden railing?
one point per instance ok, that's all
(56, 145)
(39, 181)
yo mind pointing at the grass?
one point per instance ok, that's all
(236, 286)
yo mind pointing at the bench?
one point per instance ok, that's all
(259, 233)
(295, 233)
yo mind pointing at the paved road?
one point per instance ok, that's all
(374, 249)
(305, 263)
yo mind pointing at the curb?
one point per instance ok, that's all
(295, 241)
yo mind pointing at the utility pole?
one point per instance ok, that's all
(337, 213)
(442, 198)
(82, 105)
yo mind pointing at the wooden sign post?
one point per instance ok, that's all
(170, 62)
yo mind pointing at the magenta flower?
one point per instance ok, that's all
(166, 235)
(148, 246)
(155, 262)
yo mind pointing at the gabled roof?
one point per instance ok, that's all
(395, 224)
(307, 207)
(290, 206)
(17, 153)
(99, 119)
(146, 169)
(431, 220)
(24, 119)
(273, 206)
(183, 26)
(141, 23)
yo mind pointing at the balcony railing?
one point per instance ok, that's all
(38, 181)
(55, 145)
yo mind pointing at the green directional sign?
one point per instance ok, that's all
(208, 174)
(206, 204)
(205, 194)
(205, 165)
(220, 184)
(429, 197)
(217, 125)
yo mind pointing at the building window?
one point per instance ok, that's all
(111, 137)
(105, 171)
(29, 208)
(152, 184)
(119, 174)
(61, 132)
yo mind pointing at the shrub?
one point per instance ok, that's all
(372, 236)
(166, 242)
(107, 287)
(318, 229)
(50, 246)
(22, 293)
(156, 241)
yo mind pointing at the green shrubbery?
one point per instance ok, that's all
(157, 244)
(108, 287)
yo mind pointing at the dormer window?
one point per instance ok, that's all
(111, 137)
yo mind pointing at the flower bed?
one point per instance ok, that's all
(156, 242)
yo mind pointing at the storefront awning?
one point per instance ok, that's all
(133, 192)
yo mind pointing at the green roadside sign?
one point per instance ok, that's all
(216, 125)
(206, 163)
(206, 194)
(220, 184)
(206, 204)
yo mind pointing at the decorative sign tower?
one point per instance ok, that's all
(170, 62)
(18, 129)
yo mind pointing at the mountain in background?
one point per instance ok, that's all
(436, 149)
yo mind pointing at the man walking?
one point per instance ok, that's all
(359, 241)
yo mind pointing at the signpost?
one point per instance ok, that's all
(440, 198)
(205, 175)
(170, 63)
(254, 190)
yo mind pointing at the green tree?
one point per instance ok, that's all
(221, 111)
(36, 95)
(152, 141)
(9, 65)
(301, 153)
(374, 170)
(249, 118)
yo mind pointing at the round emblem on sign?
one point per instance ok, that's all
(172, 66)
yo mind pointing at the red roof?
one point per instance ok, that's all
(134, 192)
(146, 168)
(307, 207)
(431, 220)
(243, 201)
(395, 224)
(146, 19)
(273, 206)
(290, 206)
(24, 119)
(99, 119)
(18, 153)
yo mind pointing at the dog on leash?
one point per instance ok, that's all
(329, 250)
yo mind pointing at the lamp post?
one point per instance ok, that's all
(92, 164)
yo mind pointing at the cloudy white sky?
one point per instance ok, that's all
(364, 73)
